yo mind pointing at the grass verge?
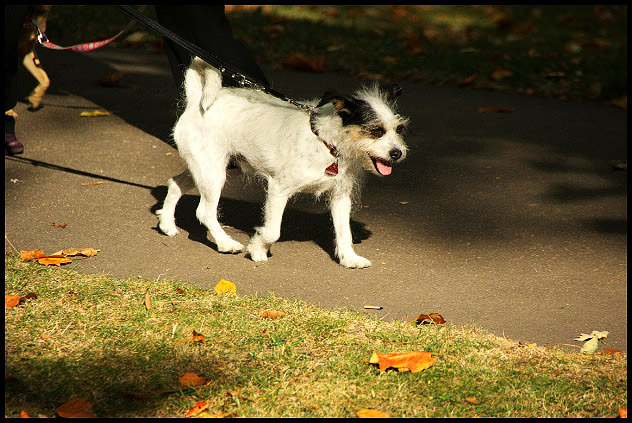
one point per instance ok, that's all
(92, 336)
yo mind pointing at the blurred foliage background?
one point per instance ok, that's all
(576, 53)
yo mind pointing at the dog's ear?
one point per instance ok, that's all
(345, 106)
(392, 91)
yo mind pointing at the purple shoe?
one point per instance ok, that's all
(12, 145)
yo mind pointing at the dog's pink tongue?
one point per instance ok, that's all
(383, 168)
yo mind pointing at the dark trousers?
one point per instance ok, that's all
(207, 27)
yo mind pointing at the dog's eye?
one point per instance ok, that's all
(377, 132)
(400, 129)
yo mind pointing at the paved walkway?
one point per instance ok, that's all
(515, 222)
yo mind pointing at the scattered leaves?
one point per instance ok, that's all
(225, 287)
(76, 408)
(59, 258)
(414, 361)
(611, 353)
(191, 380)
(272, 314)
(370, 413)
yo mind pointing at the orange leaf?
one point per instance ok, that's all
(612, 353)
(468, 80)
(196, 337)
(53, 261)
(304, 63)
(197, 409)
(11, 300)
(415, 361)
(623, 413)
(472, 400)
(191, 379)
(272, 314)
(76, 408)
(370, 413)
(32, 254)
(501, 73)
(24, 415)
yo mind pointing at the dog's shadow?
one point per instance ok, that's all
(244, 216)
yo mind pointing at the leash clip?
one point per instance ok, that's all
(41, 37)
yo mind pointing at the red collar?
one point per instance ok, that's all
(332, 169)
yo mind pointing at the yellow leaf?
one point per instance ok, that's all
(370, 413)
(147, 300)
(501, 73)
(224, 287)
(53, 261)
(95, 113)
(88, 252)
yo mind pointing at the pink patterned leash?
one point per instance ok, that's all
(44, 41)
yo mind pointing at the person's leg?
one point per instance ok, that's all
(13, 20)
(207, 27)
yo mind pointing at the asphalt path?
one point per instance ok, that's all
(515, 222)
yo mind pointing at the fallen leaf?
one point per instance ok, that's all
(191, 380)
(623, 413)
(147, 300)
(179, 291)
(620, 166)
(59, 225)
(195, 337)
(612, 353)
(272, 314)
(304, 63)
(11, 301)
(76, 408)
(93, 183)
(197, 409)
(621, 102)
(414, 361)
(225, 287)
(494, 110)
(32, 254)
(87, 252)
(111, 80)
(432, 318)
(472, 400)
(468, 80)
(95, 113)
(24, 415)
(53, 261)
(501, 73)
(591, 341)
(370, 413)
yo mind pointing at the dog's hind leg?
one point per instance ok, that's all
(210, 190)
(271, 230)
(178, 185)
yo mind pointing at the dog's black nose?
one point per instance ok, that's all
(395, 154)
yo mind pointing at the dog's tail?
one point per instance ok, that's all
(202, 82)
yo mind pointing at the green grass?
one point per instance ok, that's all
(91, 336)
(577, 53)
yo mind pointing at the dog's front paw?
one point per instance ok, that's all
(167, 226)
(354, 261)
(258, 254)
(229, 246)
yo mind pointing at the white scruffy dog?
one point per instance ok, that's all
(321, 152)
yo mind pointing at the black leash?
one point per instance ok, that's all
(242, 79)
